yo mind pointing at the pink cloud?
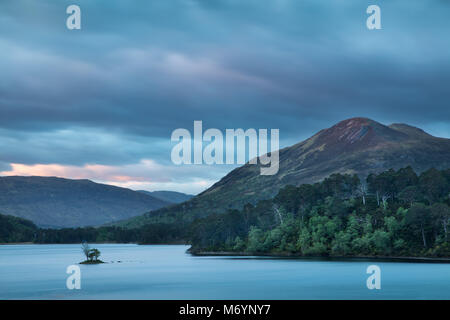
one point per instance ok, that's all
(146, 175)
(94, 172)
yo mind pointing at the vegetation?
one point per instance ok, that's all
(395, 213)
(14, 229)
(92, 254)
(149, 234)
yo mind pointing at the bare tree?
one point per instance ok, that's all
(362, 191)
(277, 211)
(384, 200)
(441, 214)
(86, 249)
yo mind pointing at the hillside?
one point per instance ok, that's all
(57, 202)
(355, 146)
(169, 196)
(335, 218)
(14, 229)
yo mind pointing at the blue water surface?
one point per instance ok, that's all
(168, 272)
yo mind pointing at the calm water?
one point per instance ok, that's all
(167, 272)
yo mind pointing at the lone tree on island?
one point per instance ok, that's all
(92, 254)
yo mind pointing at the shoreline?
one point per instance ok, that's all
(15, 243)
(238, 255)
(136, 243)
(324, 258)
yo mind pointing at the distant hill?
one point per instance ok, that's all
(169, 196)
(355, 146)
(57, 202)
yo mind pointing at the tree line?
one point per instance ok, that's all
(13, 229)
(394, 213)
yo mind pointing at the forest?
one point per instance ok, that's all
(394, 213)
(17, 230)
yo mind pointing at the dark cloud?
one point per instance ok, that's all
(114, 91)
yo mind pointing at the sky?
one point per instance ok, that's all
(101, 103)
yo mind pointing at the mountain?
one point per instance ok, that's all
(169, 196)
(56, 202)
(355, 146)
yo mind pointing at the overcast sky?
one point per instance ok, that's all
(101, 102)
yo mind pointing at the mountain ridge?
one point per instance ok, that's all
(169, 196)
(354, 146)
(58, 202)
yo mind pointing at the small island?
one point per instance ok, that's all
(92, 254)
